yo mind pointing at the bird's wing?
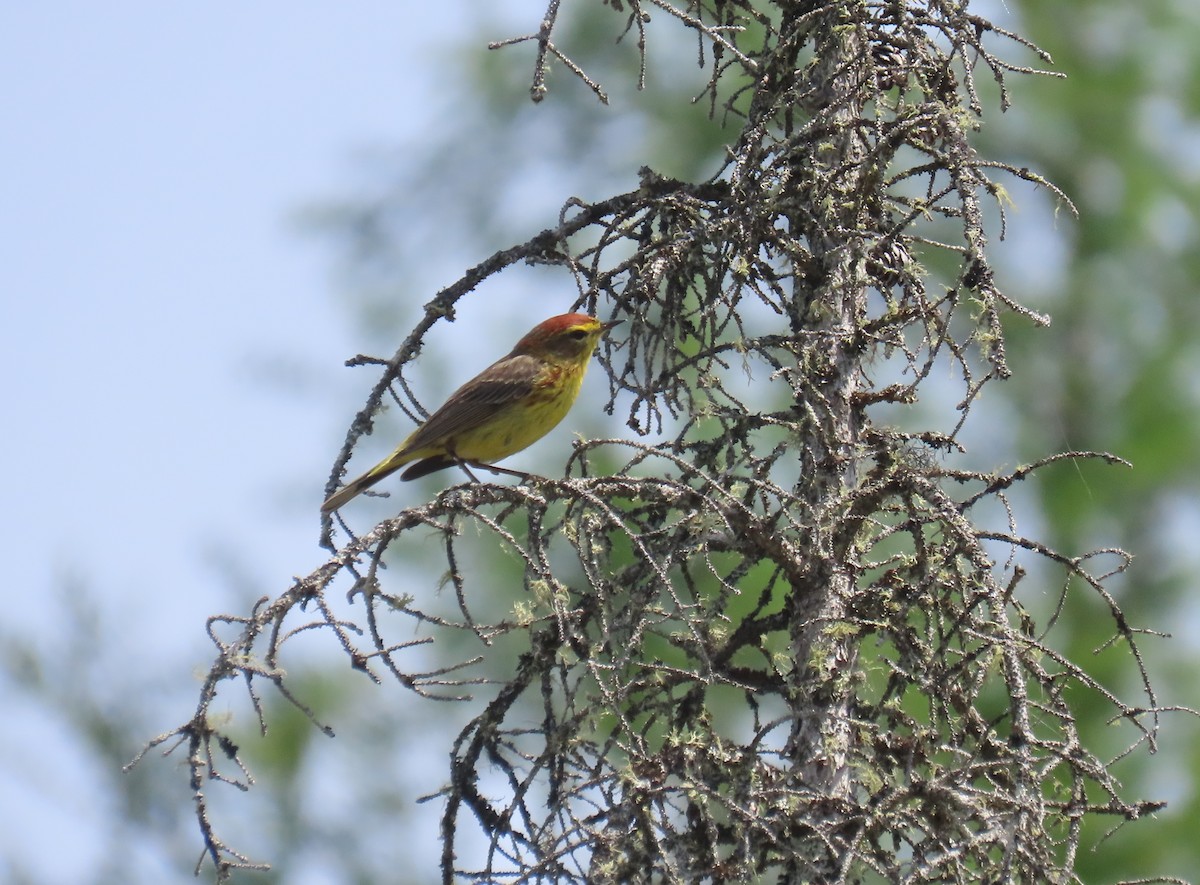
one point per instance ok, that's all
(499, 385)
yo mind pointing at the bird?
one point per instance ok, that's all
(508, 406)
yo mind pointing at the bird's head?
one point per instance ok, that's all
(570, 336)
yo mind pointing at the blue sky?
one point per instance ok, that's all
(171, 348)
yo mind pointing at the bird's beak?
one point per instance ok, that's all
(611, 324)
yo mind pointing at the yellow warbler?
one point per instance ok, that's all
(511, 404)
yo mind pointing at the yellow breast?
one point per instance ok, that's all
(525, 421)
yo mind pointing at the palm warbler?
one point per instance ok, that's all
(511, 404)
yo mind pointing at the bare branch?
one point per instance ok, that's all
(772, 637)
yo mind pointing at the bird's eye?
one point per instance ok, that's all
(578, 334)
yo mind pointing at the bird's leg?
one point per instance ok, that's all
(494, 469)
(466, 466)
(491, 468)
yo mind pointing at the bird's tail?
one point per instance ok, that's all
(357, 486)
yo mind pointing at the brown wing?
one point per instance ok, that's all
(500, 384)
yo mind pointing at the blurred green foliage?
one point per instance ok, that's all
(1117, 370)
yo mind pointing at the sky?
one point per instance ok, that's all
(170, 342)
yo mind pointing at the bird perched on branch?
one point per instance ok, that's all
(508, 406)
